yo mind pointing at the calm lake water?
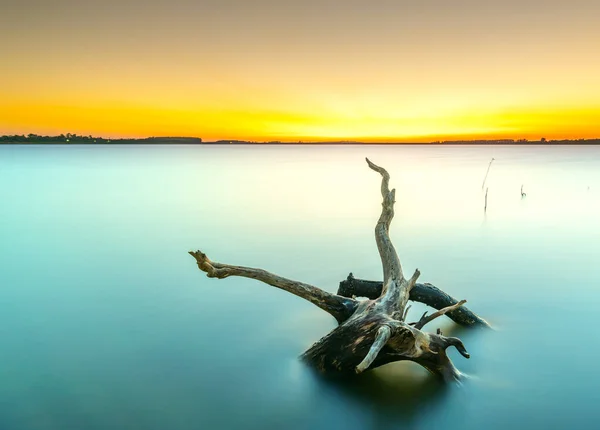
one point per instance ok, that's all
(106, 322)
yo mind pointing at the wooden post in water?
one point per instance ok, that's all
(485, 204)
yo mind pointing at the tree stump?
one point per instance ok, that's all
(374, 331)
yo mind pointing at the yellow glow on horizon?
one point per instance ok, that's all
(305, 71)
(113, 120)
(371, 102)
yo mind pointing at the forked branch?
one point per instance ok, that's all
(427, 319)
(340, 307)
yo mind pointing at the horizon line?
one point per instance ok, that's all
(65, 138)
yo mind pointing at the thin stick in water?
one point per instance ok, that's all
(487, 172)
(485, 205)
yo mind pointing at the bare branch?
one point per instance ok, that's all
(457, 343)
(427, 319)
(387, 252)
(394, 290)
(405, 295)
(413, 280)
(383, 335)
(340, 307)
(385, 189)
(406, 312)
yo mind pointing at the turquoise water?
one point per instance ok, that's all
(107, 323)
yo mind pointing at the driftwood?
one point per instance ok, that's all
(422, 293)
(371, 332)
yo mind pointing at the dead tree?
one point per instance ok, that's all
(371, 332)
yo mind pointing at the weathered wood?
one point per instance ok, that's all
(340, 307)
(360, 343)
(423, 293)
(371, 332)
(425, 319)
(383, 335)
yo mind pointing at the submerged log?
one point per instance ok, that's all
(423, 293)
(371, 332)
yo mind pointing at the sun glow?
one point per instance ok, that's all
(428, 73)
(257, 125)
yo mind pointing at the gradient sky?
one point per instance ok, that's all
(378, 70)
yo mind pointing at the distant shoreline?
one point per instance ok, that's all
(89, 140)
(535, 143)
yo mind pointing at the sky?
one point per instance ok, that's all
(311, 70)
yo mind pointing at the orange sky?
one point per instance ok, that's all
(316, 70)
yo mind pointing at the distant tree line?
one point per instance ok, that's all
(521, 141)
(62, 138)
(72, 138)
